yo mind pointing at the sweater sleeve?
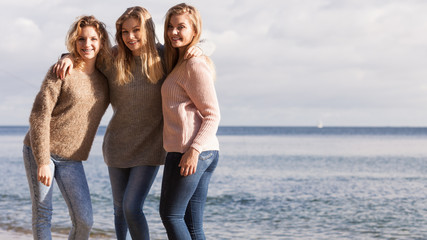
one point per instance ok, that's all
(40, 118)
(201, 90)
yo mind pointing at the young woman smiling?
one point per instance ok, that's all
(63, 123)
(191, 118)
(133, 144)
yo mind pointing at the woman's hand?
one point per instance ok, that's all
(189, 162)
(44, 175)
(63, 67)
(193, 51)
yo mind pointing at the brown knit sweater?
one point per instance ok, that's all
(134, 134)
(66, 115)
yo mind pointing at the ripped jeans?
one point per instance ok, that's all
(71, 180)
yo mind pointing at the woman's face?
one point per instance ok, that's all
(131, 35)
(180, 30)
(88, 43)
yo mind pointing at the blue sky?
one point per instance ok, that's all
(279, 63)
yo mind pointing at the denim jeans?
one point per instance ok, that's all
(71, 180)
(183, 199)
(130, 187)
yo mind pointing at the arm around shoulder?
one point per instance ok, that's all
(207, 47)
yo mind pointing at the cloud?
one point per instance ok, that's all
(291, 62)
(22, 34)
(20, 3)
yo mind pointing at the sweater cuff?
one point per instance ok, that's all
(197, 147)
(43, 160)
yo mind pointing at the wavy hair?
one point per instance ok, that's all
(152, 66)
(104, 55)
(171, 53)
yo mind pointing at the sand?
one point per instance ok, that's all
(8, 235)
(14, 235)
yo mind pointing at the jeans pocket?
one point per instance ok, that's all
(208, 160)
(206, 155)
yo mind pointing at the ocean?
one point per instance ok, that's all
(271, 183)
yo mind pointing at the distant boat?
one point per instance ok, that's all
(320, 124)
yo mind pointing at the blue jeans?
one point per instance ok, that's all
(130, 187)
(183, 199)
(71, 179)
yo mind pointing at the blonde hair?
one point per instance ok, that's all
(104, 55)
(171, 53)
(152, 66)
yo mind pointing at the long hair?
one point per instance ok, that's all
(152, 66)
(104, 55)
(171, 53)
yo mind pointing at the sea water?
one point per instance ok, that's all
(271, 183)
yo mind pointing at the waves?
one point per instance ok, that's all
(279, 186)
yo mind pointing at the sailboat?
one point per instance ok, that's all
(320, 124)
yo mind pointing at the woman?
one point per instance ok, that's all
(133, 146)
(63, 123)
(133, 142)
(191, 118)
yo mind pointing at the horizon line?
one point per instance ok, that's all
(285, 126)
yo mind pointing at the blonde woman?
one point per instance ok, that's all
(133, 145)
(133, 140)
(63, 123)
(191, 118)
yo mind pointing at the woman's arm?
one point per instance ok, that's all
(64, 66)
(40, 118)
(201, 90)
(44, 175)
(204, 47)
(207, 47)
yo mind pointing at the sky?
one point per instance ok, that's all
(278, 62)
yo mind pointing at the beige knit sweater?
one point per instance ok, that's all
(190, 108)
(134, 133)
(65, 116)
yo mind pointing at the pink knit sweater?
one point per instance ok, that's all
(190, 108)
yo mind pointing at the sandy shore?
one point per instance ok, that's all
(7, 235)
(14, 235)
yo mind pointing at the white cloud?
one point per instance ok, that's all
(20, 36)
(20, 3)
(290, 62)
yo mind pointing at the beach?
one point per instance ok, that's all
(8, 235)
(13, 235)
(270, 183)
